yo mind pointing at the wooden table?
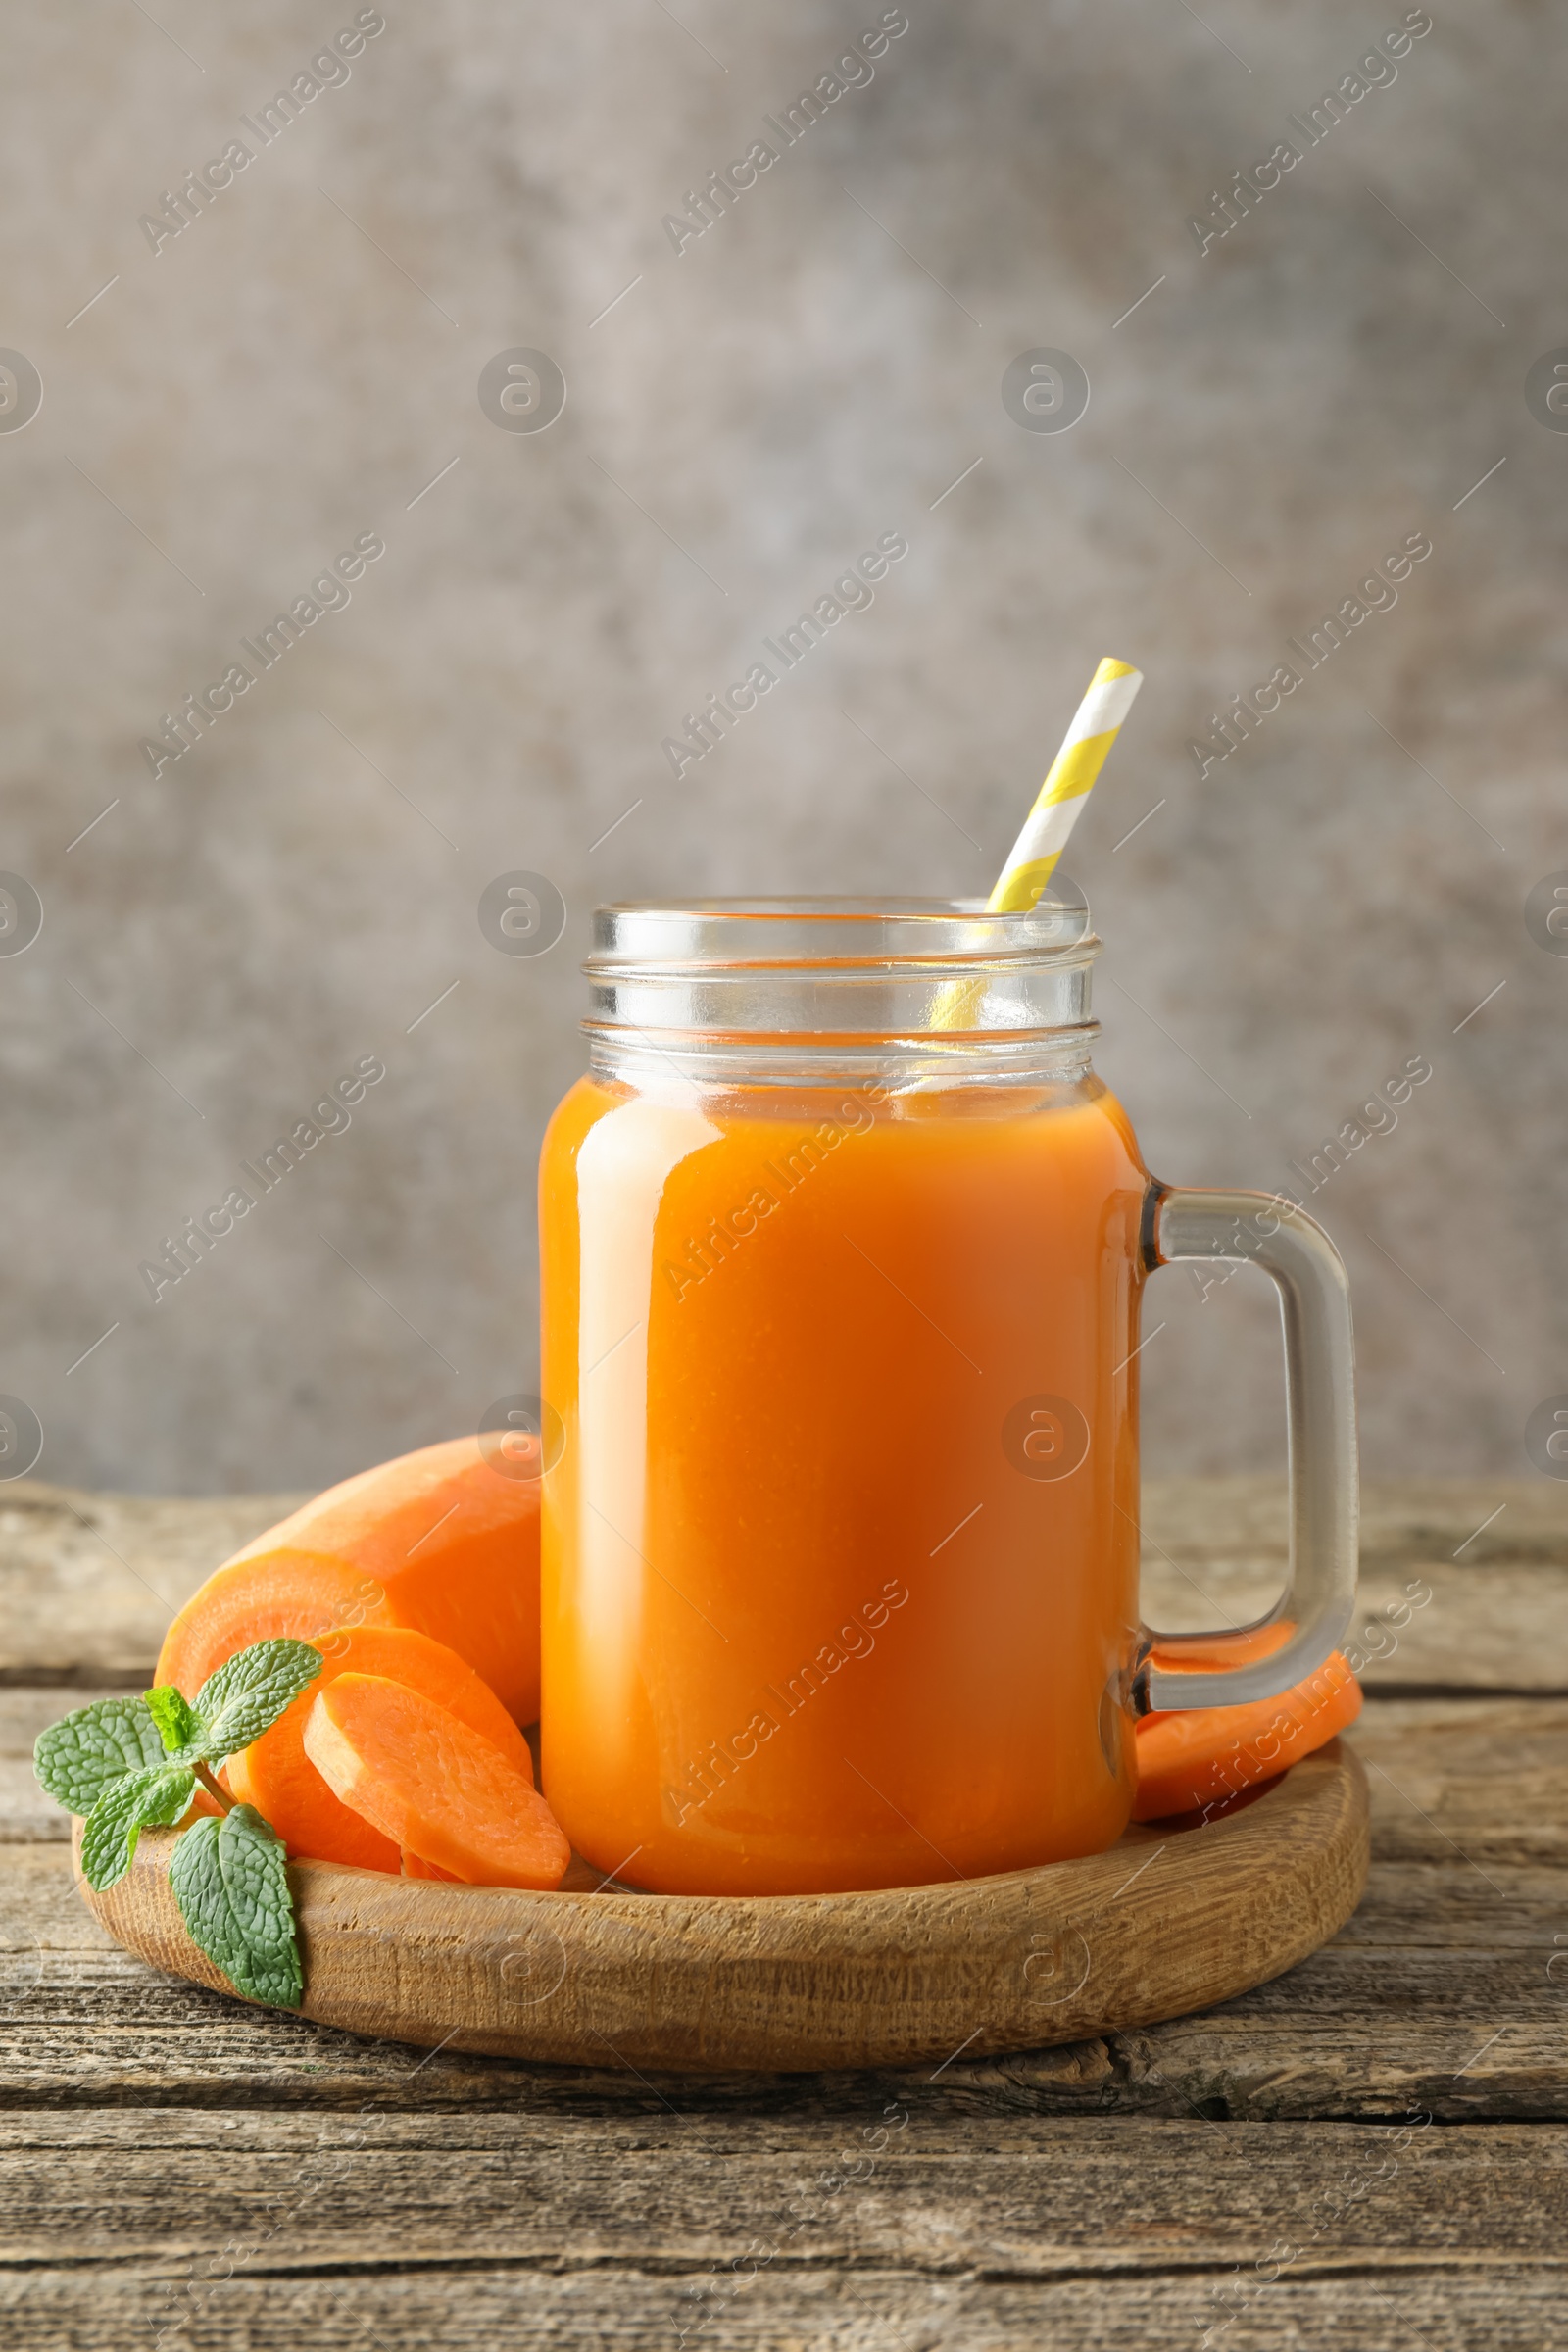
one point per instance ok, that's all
(1369, 2152)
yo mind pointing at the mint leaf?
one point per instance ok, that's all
(232, 1889)
(245, 1697)
(177, 1720)
(253, 1859)
(137, 1801)
(76, 1759)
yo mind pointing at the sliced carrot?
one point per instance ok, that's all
(314, 1826)
(278, 1777)
(1195, 1757)
(438, 1788)
(302, 1595)
(438, 1541)
(414, 1867)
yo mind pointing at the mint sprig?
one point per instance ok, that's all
(131, 1764)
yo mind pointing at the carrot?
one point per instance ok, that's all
(1194, 1758)
(302, 1595)
(438, 1788)
(311, 1821)
(438, 1541)
(278, 1777)
(414, 1868)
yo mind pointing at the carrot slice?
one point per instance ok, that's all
(414, 1867)
(452, 1534)
(422, 1778)
(311, 1822)
(302, 1595)
(443, 1541)
(1196, 1758)
(278, 1777)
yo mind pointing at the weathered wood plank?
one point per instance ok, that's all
(1473, 1781)
(1403, 1521)
(88, 1581)
(1464, 1583)
(1025, 2196)
(1431, 1625)
(1363, 2029)
(1074, 2196)
(1374, 2308)
(1446, 1602)
(1450, 1951)
(1341, 2050)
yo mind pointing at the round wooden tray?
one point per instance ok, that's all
(1174, 1918)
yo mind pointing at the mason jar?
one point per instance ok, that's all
(844, 1249)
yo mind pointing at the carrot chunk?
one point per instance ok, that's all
(278, 1777)
(443, 1541)
(301, 1593)
(416, 1867)
(432, 1784)
(1189, 1758)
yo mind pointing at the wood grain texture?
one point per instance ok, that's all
(89, 1582)
(1385, 2305)
(1447, 1948)
(1403, 1521)
(1464, 1583)
(1032, 2195)
(520, 2230)
(265, 2180)
(1158, 1925)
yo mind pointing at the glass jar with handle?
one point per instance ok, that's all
(841, 1359)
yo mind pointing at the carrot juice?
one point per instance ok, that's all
(840, 1545)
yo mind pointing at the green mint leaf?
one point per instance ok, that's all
(245, 1697)
(232, 1889)
(76, 1759)
(176, 1719)
(141, 1800)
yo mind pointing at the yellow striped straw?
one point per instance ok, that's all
(1032, 859)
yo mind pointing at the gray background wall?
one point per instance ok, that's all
(817, 369)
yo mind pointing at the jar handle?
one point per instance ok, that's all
(1319, 1595)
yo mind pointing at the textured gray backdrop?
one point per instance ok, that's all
(816, 368)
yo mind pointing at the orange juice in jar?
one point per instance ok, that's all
(840, 1314)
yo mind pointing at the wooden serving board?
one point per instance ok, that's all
(1174, 1918)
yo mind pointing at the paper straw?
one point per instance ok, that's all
(1032, 859)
